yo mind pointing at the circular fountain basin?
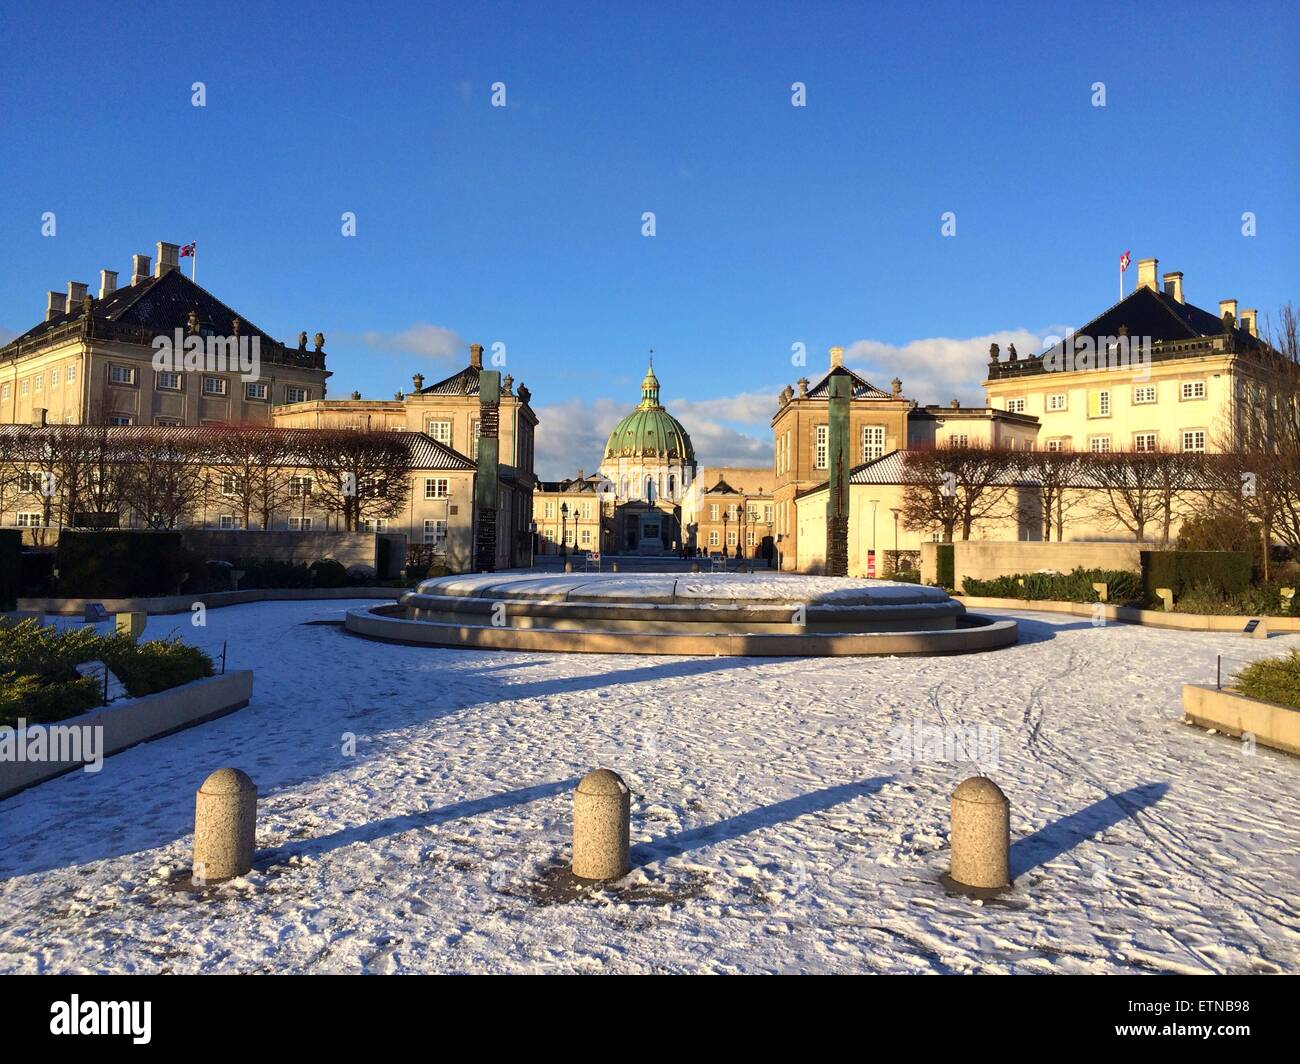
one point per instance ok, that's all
(731, 614)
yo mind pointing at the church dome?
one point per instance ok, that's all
(650, 431)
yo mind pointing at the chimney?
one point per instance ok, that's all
(1147, 273)
(56, 303)
(1174, 285)
(38, 417)
(476, 355)
(167, 258)
(837, 357)
(1228, 306)
(76, 293)
(107, 282)
(139, 268)
(1250, 321)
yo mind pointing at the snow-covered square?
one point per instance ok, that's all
(788, 814)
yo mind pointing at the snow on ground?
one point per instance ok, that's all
(777, 824)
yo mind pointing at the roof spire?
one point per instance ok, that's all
(650, 386)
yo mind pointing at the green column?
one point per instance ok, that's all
(486, 483)
(840, 390)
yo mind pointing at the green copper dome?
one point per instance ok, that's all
(650, 431)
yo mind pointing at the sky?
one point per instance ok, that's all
(775, 225)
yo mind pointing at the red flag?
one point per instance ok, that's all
(1124, 260)
(187, 251)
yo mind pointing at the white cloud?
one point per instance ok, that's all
(937, 369)
(422, 338)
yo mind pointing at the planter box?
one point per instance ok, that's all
(1233, 713)
(1195, 622)
(184, 603)
(139, 720)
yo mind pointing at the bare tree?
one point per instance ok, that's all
(956, 487)
(357, 475)
(1049, 487)
(162, 477)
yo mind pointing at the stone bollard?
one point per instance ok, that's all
(1102, 591)
(131, 624)
(225, 826)
(568, 567)
(981, 836)
(1166, 596)
(602, 812)
(1288, 598)
(614, 567)
(695, 567)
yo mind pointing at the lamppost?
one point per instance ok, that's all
(564, 530)
(771, 546)
(895, 511)
(726, 516)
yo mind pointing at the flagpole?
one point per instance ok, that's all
(194, 266)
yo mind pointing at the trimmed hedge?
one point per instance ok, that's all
(1273, 680)
(121, 564)
(946, 565)
(11, 567)
(1076, 586)
(1226, 571)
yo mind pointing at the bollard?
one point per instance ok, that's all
(602, 811)
(981, 836)
(568, 567)
(695, 567)
(615, 567)
(1166, 596)
(1102, 591)
(131, 624)
(225, 826)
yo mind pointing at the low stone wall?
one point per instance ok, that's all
(347, 548)
(184, 603)
(139, 720)
(988, 559)
(1188, 622)
(1233, 713)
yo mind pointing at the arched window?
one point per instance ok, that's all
(672, 487)
(649, 489)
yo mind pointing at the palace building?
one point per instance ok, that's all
(92, 360)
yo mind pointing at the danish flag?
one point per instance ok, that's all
(1124, 259)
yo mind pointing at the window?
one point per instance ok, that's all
(713, 511)
(168, 382)
(40, 383)
(767, 513)
(1144, 393)
(1144, 442)
(713, 538)
(373, 524)
(214, 386)
(1192, 390)
(1099, 444)
(436, 488)
(474, 431)
(823, 443)
(121, 419)
(54, 379)
(173, 421)
(586, 536)
(300, 524)
(299, 486)
(294, 394)
(435, 534)
(1193, 440)
(550, 510)
(231, 484)
(72, 374)
(228, 522)
(22, 388)
(119, 374)
(1056, 445)
(873, 442)
(1099, 404)
(440, 431)
(258, 391)
(731, 538)
(1015, 406)
(1058, 401)
(749, 538)
(4, 391)
(29, 520)
(961, 440)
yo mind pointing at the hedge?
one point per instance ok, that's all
(11, 566)
(1076, 586)
(1273, 680)
(121, 564)
(946, 565)
(1226, 571)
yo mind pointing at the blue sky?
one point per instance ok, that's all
(775, 224)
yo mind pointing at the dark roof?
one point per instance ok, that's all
(862, 388)
(426, 452)
(1149, 312)
(722, 487)
(462, 382)
(152, 307)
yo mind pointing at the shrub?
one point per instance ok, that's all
(1227, 571)
(158, 665)
(328, 573)
(27, 698)
(1273, 680)
(1222, 532)
(1076, 586)
(11, 567)
(273, 573)
(946, 565)
(120, 564)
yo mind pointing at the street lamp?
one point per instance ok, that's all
(564, 530)
(726, 516)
